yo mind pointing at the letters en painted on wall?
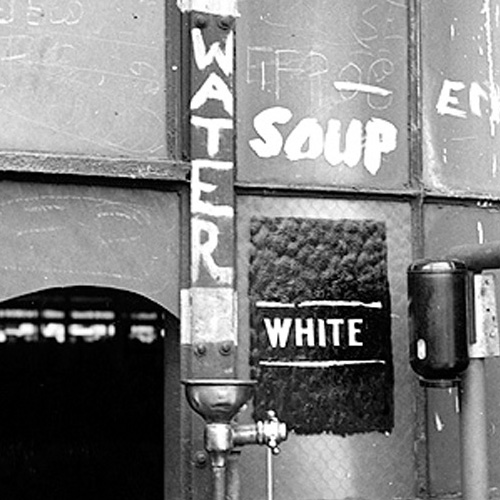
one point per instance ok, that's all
(461, 95)
(323, 92)
(320, 324)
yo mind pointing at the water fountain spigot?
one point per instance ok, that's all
(218, 401)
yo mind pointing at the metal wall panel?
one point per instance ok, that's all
(322, 92)
(83, 77)
(460, 95)
(65, 235)
(371, 466)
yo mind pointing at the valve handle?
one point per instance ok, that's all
(274, 432)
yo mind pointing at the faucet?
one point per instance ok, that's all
(218, 401)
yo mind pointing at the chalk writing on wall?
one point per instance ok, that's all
(63, 235)
(323, 105)
(83, 76)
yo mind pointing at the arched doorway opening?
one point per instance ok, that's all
(82, 395)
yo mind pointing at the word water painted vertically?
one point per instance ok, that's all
(320, 324)
(210, 304)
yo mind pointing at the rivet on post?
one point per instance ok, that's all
(200, 21)
(200, 349)
(225, 349)
(225, 23)
(201, 459)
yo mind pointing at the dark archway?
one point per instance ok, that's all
(81, 395)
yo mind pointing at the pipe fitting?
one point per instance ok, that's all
(218, 437)
(270, 432)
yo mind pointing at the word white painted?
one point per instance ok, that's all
(218, 7)
(456, 100)
(308, 140)
(313, 332)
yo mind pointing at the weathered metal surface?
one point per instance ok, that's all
(63, 235)
(84, 77)
(94, 166)
(485, 340)
(323, 93)
(460, 99)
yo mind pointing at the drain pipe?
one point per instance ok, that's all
(483, 344)
(473, 430)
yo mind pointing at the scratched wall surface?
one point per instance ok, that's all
(461, 94)
(83, 77)
(62, 235)
(322, 92)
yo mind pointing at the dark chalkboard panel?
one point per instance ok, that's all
(63, 235)
(83, 76)
(320, 342)
(322, 92)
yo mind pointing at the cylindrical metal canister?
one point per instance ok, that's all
(438, 319)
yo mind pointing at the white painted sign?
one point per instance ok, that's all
(308, 140)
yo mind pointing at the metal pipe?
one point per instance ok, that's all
(477, 257)
(219, 483)
(233, 475)
(270, 492)
(473, 429)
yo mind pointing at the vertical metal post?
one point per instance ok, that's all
(473, 429)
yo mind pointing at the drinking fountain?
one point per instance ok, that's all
(218, 401)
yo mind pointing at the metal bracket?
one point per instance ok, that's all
(486, 339)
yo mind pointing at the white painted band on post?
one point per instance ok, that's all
(217, 7)
(208, 315)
